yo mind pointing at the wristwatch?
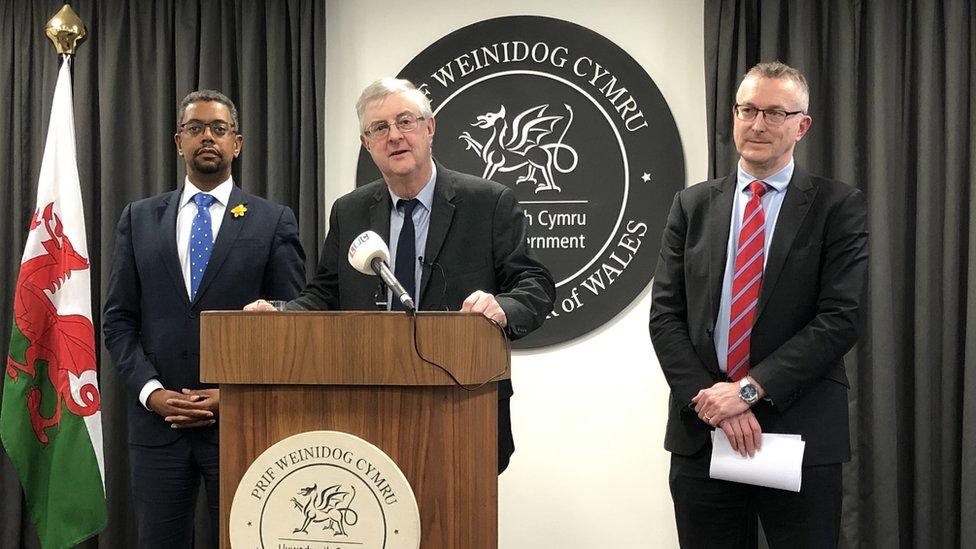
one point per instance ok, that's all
(748, 392)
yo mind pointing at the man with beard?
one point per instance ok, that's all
(208, 245)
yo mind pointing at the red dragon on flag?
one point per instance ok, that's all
(65, 342)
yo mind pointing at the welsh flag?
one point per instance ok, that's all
(50, 422)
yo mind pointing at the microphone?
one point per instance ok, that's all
(368, 254)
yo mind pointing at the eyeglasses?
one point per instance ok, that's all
(406, 122)
(773, 117)
(218, 128)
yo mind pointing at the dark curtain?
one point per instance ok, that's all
(138, 61)
(892, 98)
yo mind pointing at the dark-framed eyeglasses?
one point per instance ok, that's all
(406, 122)
(773, 117)
(218, 128)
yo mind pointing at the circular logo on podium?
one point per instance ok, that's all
(324, 490)
(576, 127)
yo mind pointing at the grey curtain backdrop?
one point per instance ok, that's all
(139, 60)
(893, 104)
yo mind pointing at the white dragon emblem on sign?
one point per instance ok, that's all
(514, 146)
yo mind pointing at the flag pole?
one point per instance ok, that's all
(50, 413)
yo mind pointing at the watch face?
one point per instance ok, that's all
(748, 393)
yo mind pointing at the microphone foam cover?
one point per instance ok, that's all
(364, 249)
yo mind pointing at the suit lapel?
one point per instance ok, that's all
(379, 212)
(167, 213)
(796, 204)
(230, 229)
(441, 216)
(720, 218)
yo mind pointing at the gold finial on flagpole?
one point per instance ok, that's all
(66, 30)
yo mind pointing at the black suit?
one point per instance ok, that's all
(807, 317)
(476, 240)
(151, 327)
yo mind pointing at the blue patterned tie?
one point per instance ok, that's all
(406, 256)
(201, 241)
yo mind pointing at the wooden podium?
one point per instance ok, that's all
(283, 373)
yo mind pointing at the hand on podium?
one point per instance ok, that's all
(260, 305)
(486, 304)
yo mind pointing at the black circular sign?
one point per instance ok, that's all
(580, 132)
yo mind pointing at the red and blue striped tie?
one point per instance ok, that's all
(746, 282)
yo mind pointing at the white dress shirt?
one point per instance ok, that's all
(184, 223)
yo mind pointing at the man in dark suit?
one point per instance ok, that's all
(457, 241)
(756, 299)
(208, 245)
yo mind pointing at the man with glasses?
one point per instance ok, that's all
(457, 242)
(756, 300)
(207, 245)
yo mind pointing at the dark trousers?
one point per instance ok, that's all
(164, 485)
(721, 514)
(506, 443)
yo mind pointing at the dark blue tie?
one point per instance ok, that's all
(201, 241)
(405, 269)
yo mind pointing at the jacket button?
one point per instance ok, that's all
(193, 314)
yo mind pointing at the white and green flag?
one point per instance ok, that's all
(50, 422)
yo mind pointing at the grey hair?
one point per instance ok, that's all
(388, 86)
(207, 95)
(776, 69)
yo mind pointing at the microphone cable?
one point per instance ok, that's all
(416, 339)
(457, 382)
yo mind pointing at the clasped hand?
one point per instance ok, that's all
(187, 409)
(720, 406)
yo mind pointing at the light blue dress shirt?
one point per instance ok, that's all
(421, 223)
(772, 201)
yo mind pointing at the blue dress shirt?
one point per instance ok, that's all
(772, 201)
(421, 223)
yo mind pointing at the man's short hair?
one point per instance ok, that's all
(208, 95)
(389, 86)
(777, 69)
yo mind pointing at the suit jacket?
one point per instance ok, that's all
(807, 318)
(476, 241)
(152, 329)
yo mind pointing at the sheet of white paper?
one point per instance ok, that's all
(778, 464)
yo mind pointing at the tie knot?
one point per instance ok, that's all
(203, 200)
(758, 188)
(407, 206)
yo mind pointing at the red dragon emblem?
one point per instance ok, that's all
(65, 342)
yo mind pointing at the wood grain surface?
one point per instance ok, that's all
(349, 348)
(287, 373)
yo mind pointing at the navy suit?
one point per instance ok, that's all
(476, 241)
(152, 329)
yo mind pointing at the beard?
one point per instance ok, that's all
(208, 166)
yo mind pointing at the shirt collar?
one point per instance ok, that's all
(221, 192)
(426, 194)
(778, 181)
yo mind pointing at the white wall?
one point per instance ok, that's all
(589, 469)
